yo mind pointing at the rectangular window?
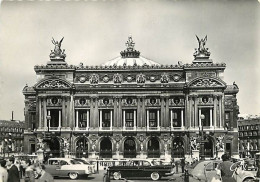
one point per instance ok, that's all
(206, 113)
(54, 117)
(83, 118)
(129, 118)
(176, 117)
(153, 118)
(106, 118)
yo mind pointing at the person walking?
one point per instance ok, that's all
(182, 165)
(29, 171)
(44, 176)
(3, 171)
(225, 171)
(13, 173)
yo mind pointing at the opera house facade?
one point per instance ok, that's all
(131, 107)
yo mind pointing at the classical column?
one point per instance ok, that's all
(220, 111)
(45, 111)
(191, 110)
(49, 124)
(40, 113)
(147, 118)
(100, 118)
(182, 123)
(77, 118)
(158, 118)
(64, 122)
(123, 118)
(166, 115)
(87, 118)
(210, 117)
(59, 118)
(199, 117)
(215, 110)
(111, 118)
(171, 119)
(196, 110)
(134, 118)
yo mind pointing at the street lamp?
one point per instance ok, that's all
(202, 141)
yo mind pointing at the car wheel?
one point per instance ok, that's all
(117, 175)
(73, 175)
(155, 176)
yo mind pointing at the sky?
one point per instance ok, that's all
(95, 31)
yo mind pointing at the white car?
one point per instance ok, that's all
(66, 167)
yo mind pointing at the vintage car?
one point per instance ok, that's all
(139, 168)
(84, 161)
(66, 167)
(206, 170)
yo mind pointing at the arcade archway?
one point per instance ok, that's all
(54, 147)
(153, 148)
(177, 148)
(105, 148)
(129, 148)
(82, 148)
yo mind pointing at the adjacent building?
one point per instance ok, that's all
(131, 106)
(11, 137)
(249, 136)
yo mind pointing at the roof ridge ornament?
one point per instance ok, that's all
(57, 53)
(130, 52)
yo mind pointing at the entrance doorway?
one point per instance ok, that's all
(177, 148)
(82, 148)
(129, 148)
(106, 148)
(153, 148)
(208, 146)
(54, 145)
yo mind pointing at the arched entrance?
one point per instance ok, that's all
(153, 148)
(82, 148)
(105, 148)
(54, 147)
(177, 148)
(129, 148)
(208, 147)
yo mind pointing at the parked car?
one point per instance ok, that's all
(66, 167)
(206, 170)
(83, 161)
(139, 168)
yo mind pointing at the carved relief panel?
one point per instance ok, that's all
(54, 101)
(206, 100)
(105, 102)
(176, 101)
(82, 102)
(153, 101)
(129, 101)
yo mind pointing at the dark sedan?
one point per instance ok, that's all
(140, 168)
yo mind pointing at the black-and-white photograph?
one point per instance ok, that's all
(130, 91)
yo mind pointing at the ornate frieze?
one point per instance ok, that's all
(205, 100)
(205, 82)
(82, 102)
(129, 102)
(54, 101)
(94, 79)
(153, 102)
(165, 78)
(105, 102)
(118, 79)
(140, 79)
(53, 84)
(176, 101)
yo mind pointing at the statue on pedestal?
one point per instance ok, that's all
(201, 52)
(57, 53)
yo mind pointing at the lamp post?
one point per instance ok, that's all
(202, 141)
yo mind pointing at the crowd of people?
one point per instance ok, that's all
(12, 170)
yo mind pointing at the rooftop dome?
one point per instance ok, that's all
(130, 57)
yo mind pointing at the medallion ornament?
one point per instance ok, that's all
(94, 79)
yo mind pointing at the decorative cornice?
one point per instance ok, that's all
(205, 82)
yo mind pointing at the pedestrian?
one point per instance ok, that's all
(13, 173)
(182, 165)
(3, 171)
(29, 171)
(44, 176)
(225, 171)
(177, 165)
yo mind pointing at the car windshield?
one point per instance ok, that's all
(82, 161)
(74, 162)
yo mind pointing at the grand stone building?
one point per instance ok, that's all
(131, 107)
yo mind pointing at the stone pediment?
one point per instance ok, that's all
(206, 82)
(53, 83)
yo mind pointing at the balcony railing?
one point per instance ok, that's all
(54, 128)
(81, 129)
(129, 128)
(153, 128)
(105, 128)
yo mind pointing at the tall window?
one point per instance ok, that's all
(176, 118)
(227, 120)
(129, 118)
(106, 117)
(206, 120)
(83, 118)
(153, 118)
